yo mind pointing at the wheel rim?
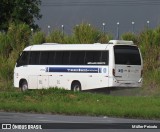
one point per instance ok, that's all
(24, 87)
(76, 88)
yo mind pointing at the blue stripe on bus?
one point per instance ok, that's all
(74, 70)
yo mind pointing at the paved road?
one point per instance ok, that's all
(25, 118)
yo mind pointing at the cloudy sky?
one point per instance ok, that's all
(95, 12)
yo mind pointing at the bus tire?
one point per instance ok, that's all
(24, 86)
(76, 86)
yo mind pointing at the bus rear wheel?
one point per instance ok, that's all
(24, 86)
(76, 86)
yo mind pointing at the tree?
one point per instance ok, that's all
(86, 33)
(19, 11)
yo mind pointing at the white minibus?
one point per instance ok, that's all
(79, 66)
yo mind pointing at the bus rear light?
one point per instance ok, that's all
(113, 72)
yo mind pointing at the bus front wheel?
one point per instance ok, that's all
(76, 86)
(24, 86)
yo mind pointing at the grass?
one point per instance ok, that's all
(151, 83)
(80, 103)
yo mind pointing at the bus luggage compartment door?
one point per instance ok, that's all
(42, 82)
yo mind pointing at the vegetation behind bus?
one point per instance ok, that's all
(19, 36)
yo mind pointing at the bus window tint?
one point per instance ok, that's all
(59, 58)
(65, 59)
(104, 58)
(77, 58)
(34, 57)
(93, 57)
(23, 60)
(127, 55)
(68, 58)
(44, 58)
(51, 58)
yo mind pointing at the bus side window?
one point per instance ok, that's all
(51, 58)
(66, 56)
(92, 57)
(23, 60)
(44, 58)
(77, 58)
(105, 57)
(34, 57)
(58, 58)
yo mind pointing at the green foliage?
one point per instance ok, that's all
(156, 39)
(105, 38)
(38, 38)
(146, 38)
(151, 58)
(80, 103)
(11, 44)
(6, 73)
(55, 36)
(19, 11)
(82, 34)
(149, 45)
(19, 35)
(85, 34)
(130, 37)
(5, 47)
(151, 82)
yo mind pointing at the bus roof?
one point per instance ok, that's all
(60, 47)
(121, 42)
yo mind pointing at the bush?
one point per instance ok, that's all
(131, 37)
(85, 34)
(156, 39)
(6, 73)
(19, 35)
(5, 47)
(11, 44)
(55, 36)
(104, 38)
(38, 38)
